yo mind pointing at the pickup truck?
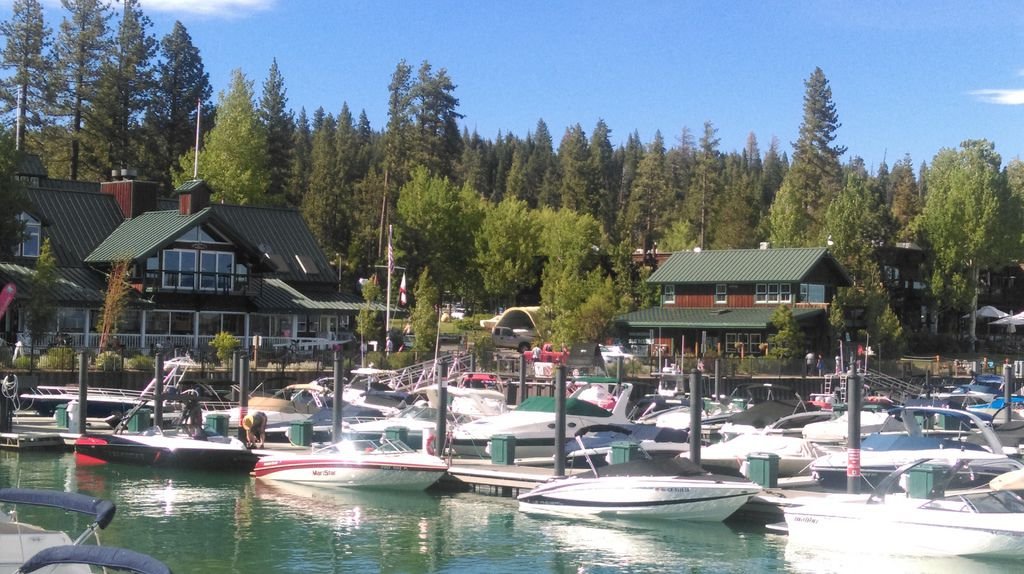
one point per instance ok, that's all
(509, 338)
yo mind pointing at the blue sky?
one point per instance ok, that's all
(906, 77)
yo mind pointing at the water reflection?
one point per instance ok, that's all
(802, 559)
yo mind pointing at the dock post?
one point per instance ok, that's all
(854, 389)
(6, 407)
(242, 362)
(718, 388)
(158, 391)
(696, 405)
(1007, 391)
(560, 421)
(339, 391)
(83, 391)
(522, 379)
(441, 432)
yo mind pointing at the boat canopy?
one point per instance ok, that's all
(575, 407)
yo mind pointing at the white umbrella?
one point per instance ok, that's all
(1014, 320)
(988, 312)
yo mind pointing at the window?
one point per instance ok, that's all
(721, 293)
(179, 269)
(669, 296)
(30, 245)
(215, 268)
(812, 293)
(761, 293)
(773, 293)
(786, 293)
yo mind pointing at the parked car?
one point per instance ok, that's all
(611, 354)
(509, 338)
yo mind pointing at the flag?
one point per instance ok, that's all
(401, 292)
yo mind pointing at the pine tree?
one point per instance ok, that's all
(605, 174)
(301, 151)
(705, 187)
(123, 94)
(647, 210)
(280, 126)
(577, 189)
(181, 91)
(25, 55)
(815, 176)
(437, 144)
(83, 46)
(906, 202)
(12, 200)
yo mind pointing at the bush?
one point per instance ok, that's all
(226, 344)
(140, 363)
(58, 358)
(23, 362)
(108, 361)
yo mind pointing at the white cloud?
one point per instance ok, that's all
(1003, 97)
(228, 8)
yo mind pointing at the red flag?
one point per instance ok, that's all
(860, 349)
(6, 296)
(401, 292)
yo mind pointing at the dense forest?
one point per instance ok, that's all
(516, 218)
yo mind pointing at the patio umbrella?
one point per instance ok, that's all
(1014, 320)
(988, 312)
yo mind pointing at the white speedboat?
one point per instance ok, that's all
(837, 428)
(730, 456)
(668, 489)
(884, 451)
(383, 464)
(532, 424)
(979, 522)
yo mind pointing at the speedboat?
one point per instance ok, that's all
(383, 464)
(884, 451)
(730, 456)
(595, 444)
(322, 422)
(837, 427)
(666, 489)
(28, 548)
(295, 402)
(980, 522)
(532, 424)
(154, 447)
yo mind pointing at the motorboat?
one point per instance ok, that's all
(836, 428)
(322, 422)
(730, 457)
(294, 402)
(20, 541)
(102, 402)
(532, 424)
(380, 464)
(665, 489)
(790, 425)
(29, 548)
(166, 449)
(914, 432)
(979, 522)
(596, 444)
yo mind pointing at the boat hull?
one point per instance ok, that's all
(383, 472)
(664, 498)
(164, 452)
(911, 532)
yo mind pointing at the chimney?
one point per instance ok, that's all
(193, 197)
(133, 196)
(765, 245)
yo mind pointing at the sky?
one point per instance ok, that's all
(908, 77)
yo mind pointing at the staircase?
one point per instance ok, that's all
(877, 382)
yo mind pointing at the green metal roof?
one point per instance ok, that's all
(745, 318)
(142, 236)
(75, 286)
(783, 265)
(276, 296)
(74, 221)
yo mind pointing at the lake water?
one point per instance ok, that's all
(211, 523)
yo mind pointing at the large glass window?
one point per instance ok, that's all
(179, 269)
(30, 245)
(216, 269)
(158, 322)
(71, 320)
(812, 293)
(182, 322)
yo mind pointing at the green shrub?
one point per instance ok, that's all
(225, 344)
(23, 362)
(140, 363)
(108, 361)
(58, 358)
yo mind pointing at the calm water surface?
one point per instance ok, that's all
(211, 523)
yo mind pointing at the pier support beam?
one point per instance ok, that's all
(339, 391)
(1008, 391)
(560, 421)
(696, 405)
(854, 390)
(440, 438)
(158, 391)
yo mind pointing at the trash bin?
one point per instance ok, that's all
(740, 404)
(216, 424)
(625, 451)
(926, 481)
(503, 449)
(763, 468)
(301, 433)
(400, 434)
(61, 415)
(141, 420)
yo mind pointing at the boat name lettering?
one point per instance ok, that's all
(323, 473)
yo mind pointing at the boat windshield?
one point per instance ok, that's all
(382, 446)
(988, 502)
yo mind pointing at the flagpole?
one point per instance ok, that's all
(199, 115)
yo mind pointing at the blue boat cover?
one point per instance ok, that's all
(106, 556)
(102, 510)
